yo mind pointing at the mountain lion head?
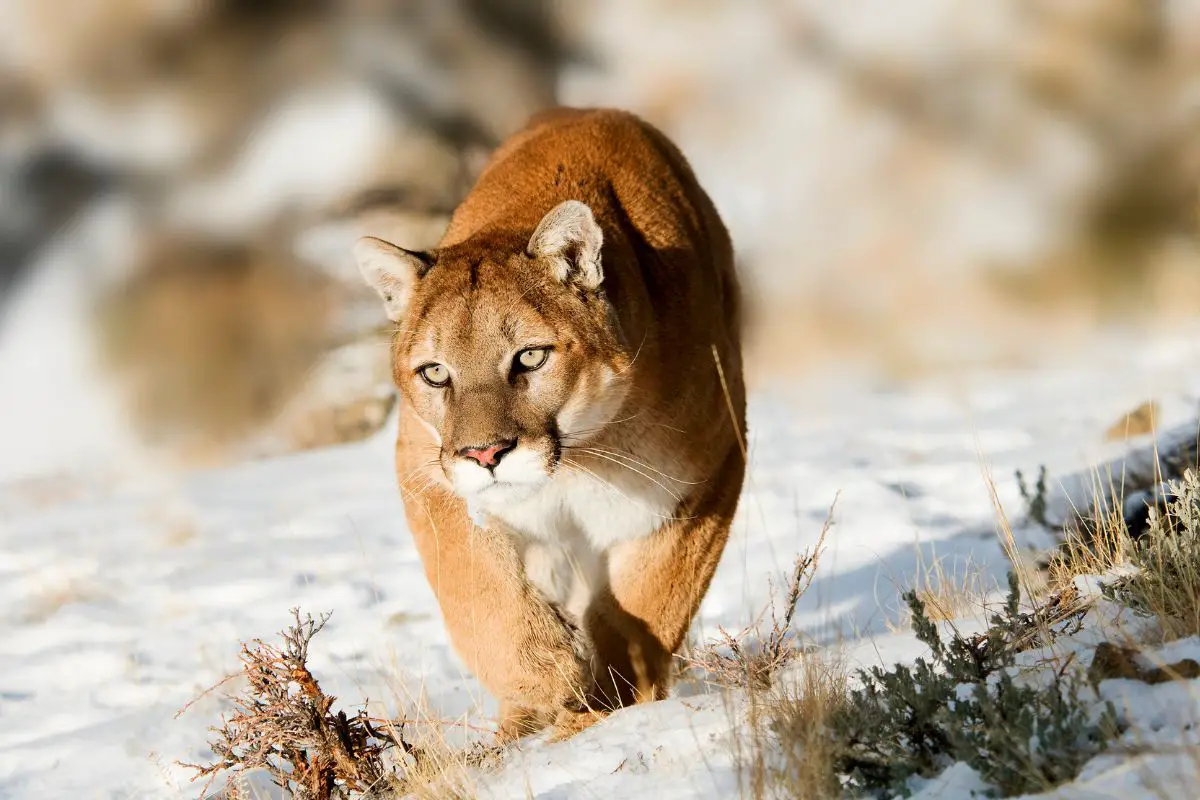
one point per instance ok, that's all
(506, 349)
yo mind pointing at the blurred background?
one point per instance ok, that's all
(911, 187)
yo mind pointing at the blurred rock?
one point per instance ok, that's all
(209, 340)
(39, 194)
(256, 142)
(347, 396)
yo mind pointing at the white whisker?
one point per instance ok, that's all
(637, 471)
(577, 467)
(629, 457)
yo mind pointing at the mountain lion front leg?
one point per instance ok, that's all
(519, 645)
(655, 588)
(516, 721)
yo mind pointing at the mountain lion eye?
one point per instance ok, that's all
(435, 374)
(533, 358)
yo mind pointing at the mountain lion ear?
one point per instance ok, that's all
(392, 271)
(570, 239)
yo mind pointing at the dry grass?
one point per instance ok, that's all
(950, 594)
(1094, 544)
(1167, 557)
(1093, 548)
(1098, 540)
(1156, 571)
(449, 764)
(784, 749)
(792, 751)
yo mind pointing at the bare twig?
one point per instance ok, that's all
(732, 659)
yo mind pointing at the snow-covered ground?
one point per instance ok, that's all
(122, 600)
(124, 595)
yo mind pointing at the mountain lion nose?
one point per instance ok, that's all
(489, 455)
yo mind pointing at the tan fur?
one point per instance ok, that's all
(568, 578)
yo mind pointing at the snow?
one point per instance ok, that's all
(124, 600)
(680, 748)
(958, 780)
(295, 133)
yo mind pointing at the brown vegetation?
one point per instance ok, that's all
(750, 659)
(284, 724)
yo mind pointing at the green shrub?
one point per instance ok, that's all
(1035, 498)
(963, 704)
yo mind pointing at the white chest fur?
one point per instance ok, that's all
(567, 528)
(576, 505)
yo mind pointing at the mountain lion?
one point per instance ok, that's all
(571, 445)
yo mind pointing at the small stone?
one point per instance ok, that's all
(1138, 422)
(1113, 661)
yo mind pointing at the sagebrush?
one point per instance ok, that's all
(965, 703)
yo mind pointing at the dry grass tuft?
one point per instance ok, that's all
(1096, 544)
(285, 725)
(1104, 537)
(950, 594)
(749, 659)
(1167, 581)
(1096, 540)
(793, 724)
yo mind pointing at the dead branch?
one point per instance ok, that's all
(284, 724)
